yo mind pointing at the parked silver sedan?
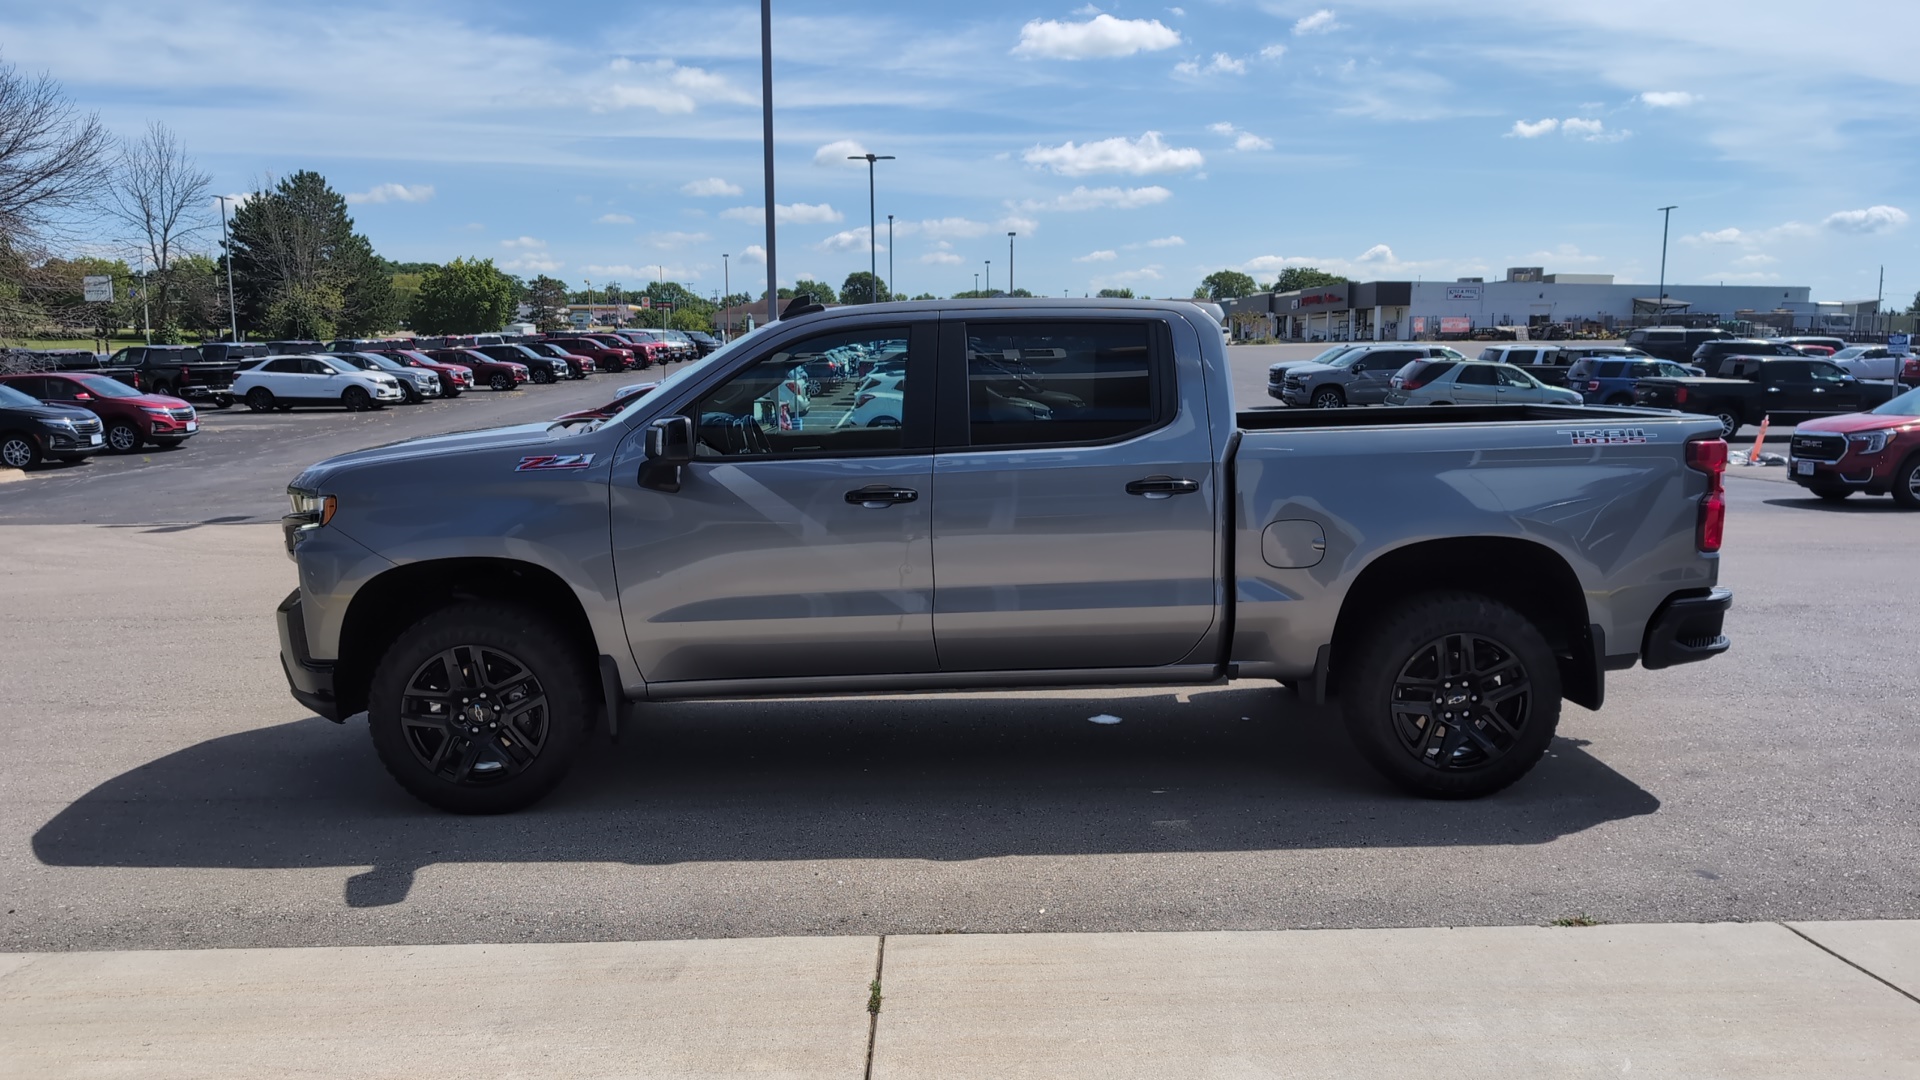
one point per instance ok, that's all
(1472, 382)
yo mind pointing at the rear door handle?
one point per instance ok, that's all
(876, 496)
(1162, 487)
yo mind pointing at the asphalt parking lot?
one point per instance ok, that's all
(163, 790)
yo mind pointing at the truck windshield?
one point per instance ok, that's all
(1907, 404)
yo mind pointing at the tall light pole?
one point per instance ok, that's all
(1666, 218)
(893, 287)
(989, 277)
(233, 313)
(726, 290)
(976, 286)
(873, 259)
(1009, 264)
(766, 142)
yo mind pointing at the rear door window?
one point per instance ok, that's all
(1421, 372)
(1476, 375)
(1051, 384)
(1613, 369)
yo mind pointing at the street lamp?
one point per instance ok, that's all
(891, 291)
(726, 290)
(873, 259)
(233, 313)
(1666, 218)
(989, 277)
(766, 148)
(1010, 264)
(976, 285)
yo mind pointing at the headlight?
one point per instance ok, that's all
(156, 412)
(1871, 442)
(316, 509)
(62, 425)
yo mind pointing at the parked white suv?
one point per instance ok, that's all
(281, 382)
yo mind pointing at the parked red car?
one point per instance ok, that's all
(498, 374)
(606, 357)
(129, 416)
(453, 377)
(1876, 452)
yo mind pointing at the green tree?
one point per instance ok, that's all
(926, 296)
(1914, 308)
(862, 287)
(1116, 294)
(466, 296)
(1304, 277)
(822, 292)
(296, 257)
(548, 299)
(1225, 285)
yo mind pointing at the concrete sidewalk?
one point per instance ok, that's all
(1732, 1000)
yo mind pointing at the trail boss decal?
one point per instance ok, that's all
(1605, 436)
(554, 462)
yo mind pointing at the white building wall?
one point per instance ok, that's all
(1510, 303)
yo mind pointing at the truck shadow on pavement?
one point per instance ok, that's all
(1862, 505)
(941, 778)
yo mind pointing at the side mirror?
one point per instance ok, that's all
(669, 446)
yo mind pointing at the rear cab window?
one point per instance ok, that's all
(1421, 372)
(1064, 382)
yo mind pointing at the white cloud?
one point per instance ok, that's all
(1319, 22)
(533, 263)
(1166, 242)
(953, 226)
(667, 88)
(1874, 219)
(1273, 52)
(1129, 277)
(1750, 237)
(787, 214)
(380, 193)
(837, 152)
(1087, 10)
(1242, 140)
(614, 219)
(1097, 256)
(1181, 12)
(524, 242)
(1668, 99)
(1107, 198)
(1525, 129)
(1221, 64)
(1101, 37)
(941, 258)
(669, 240)
(1378, 253)
(848, 240)
(709, 188)
(1139, 157)
(754, 253)
(1718, 236)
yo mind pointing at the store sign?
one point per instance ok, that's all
(1456, 324)
(96, 290)
(1419, 325)
(1319, 299)
(1463, 292)
(1899, 344)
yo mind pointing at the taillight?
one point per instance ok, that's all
(1680, 395)
(1412, 384)
(183, 375)
(1710, 456)
(1593, 386)
(862, 400)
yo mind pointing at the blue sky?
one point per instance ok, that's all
(1129, 144)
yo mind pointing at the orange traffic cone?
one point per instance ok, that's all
(1759, 441)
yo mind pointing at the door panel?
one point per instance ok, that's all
(1474, 384)
(761, 565)
(1042, 556)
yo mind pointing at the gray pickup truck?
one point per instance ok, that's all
(998, 495)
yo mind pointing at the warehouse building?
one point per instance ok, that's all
(1527, 297)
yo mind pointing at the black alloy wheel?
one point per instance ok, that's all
(1452, 695)
(543, 375)
(122, 437)
(1329, 399)
(18, 451)
(260, 399)
(356, 399)
(501, 381)
(481, 707)
(1906, 483)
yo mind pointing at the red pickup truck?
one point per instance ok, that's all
(1876, 452)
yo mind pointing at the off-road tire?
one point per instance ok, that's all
(1385, 651)
(570, 688)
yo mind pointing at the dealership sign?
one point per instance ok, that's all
(1463, 292)
(97, 290)
(1455, 324)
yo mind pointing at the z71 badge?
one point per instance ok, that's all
(554, 462)
(1605, 436)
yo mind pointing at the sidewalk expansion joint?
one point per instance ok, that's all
(1796, 931)
(873, 1003)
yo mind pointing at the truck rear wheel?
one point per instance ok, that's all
(480, 708)
(1452, 695)
(1730, 423)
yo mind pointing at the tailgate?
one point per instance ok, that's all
(215, 376)
(1657, 393)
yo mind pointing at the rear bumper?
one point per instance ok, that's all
(310, 681)
(1686, 629)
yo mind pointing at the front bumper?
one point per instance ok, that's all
(1871, 473)
(1686, 629)
(389, 393)
(310, 681)
(62, 447)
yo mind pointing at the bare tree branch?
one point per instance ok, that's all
(51, 156)
(161, 197)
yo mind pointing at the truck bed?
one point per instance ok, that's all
(1283, 419)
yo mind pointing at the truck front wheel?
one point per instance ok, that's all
(480, 708)
(1452, 695)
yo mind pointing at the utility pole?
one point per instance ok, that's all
(1009, 263)
(873, 261)
(894, 286)
(233, 313)
(726, 290)
(766, 140)
(1666, 219)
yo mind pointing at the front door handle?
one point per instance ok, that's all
(875, 496)
(1162, 487)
